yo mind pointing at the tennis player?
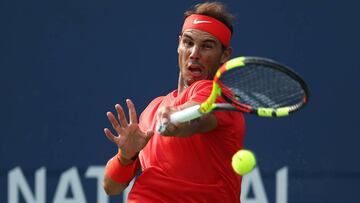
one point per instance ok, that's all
(188, 162)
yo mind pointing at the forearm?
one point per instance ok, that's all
(118, 174)
(113, 188)
(203, 124)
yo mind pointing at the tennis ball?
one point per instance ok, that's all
(243, 161)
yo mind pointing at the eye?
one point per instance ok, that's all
(208, 46)
(188, 42)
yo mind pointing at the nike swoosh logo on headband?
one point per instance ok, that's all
(196, 21)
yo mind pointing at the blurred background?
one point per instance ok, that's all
(64, 64)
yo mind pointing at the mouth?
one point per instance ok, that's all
(195, 69)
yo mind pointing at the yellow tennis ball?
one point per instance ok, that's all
(243, 161)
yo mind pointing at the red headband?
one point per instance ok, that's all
(210, 25)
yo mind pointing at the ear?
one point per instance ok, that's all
(179, 43)
(226, 55)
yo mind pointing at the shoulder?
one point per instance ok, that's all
(154, 104)
(147, 116)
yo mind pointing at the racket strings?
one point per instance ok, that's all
(263, 86)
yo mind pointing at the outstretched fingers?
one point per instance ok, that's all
(110, 135)
(132, 112)
(118, 140)
(115, 124)
(121, 116)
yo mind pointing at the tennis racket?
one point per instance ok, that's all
(258, 86)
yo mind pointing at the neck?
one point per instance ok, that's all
(181, 84)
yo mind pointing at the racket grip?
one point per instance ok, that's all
(181, 116)
(186, 114)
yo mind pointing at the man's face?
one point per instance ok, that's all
(200, 55)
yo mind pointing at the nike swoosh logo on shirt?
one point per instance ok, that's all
(196, 21)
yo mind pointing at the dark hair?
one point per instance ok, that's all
(216, 10)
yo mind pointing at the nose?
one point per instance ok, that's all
(195, 53)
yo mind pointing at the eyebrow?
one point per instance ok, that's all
(206, 40)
